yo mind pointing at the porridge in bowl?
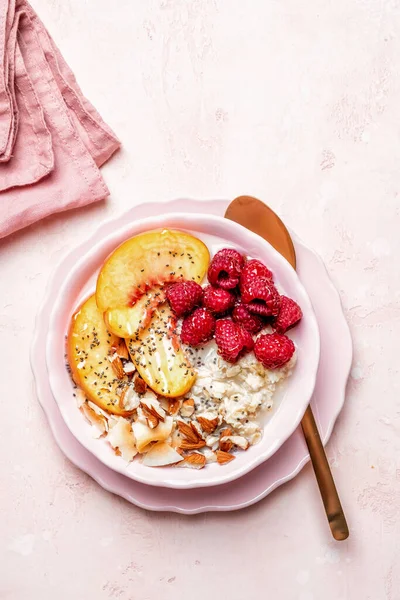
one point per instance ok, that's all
(177, 357)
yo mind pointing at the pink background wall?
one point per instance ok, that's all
(297, 103)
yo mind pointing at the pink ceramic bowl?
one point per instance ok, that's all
(289, 404)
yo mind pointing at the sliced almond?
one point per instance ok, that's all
(187, 408)
(188, 432)
(195, 460)
(186, 445)
(128, 400)
(152, 404)
(152, 420)
(197, 429)
(225, 432)
(117, 366)
(224, 457)
(139, 384)
(208, 425)
(225, 444)
(236, 440)
(174, 405)
(120, 349)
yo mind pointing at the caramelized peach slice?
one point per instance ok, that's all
(88, 349)
(159, 358)
(147, 260)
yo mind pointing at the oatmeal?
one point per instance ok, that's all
(171, 367)
(238, 394)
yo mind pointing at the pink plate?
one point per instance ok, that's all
(327, 400)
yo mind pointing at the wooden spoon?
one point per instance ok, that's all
(256, 216)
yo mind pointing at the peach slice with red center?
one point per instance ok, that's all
(127, 321)
(129, 284)
(89, 345)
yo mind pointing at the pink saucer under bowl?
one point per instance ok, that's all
(327, 400)
(290, 401)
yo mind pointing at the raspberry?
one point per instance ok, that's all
(261, 296)
(248, 342)
(242, 315)
(198, 327)
(225, 268)
(232, 340)
(289, 314)
(184, 296)
(255, 268)
(273, 350)
(218, 300)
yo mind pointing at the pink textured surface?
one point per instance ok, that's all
(312, 130)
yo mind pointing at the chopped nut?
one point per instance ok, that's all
(120, 349)
(208, 425)
(236, 440)
(185, 445)
(139, 384)
(174, 405)
(197, 429)
(227, 431)
(150, 402)
(128, 400)
(225, 445)
(152, 420)
(224, 457)
(195, 460)
(187, 408)
(188, 432)
(117, 366)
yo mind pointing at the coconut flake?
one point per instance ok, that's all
(98, 422)
(161, 454)
(145, 436)
(121, 437)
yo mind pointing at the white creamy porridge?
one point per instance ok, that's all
(238, 394)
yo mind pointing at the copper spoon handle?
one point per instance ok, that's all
(259, 218)
(323, 474)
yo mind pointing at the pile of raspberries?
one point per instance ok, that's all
(240, 300)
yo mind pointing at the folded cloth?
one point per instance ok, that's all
(52, 140)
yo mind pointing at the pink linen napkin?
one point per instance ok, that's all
(52, 140)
